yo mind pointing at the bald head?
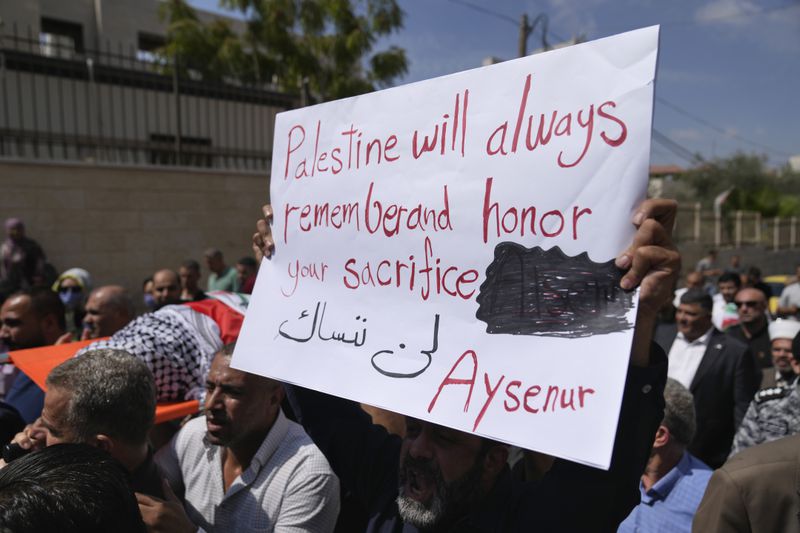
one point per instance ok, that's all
(752, 306)
(108, 309)
(166, 287)
(695, 280)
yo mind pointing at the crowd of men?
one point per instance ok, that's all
(712, 374)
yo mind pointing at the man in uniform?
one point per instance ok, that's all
(775, 411)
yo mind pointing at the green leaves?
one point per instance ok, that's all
(328, 43)
(755, 187)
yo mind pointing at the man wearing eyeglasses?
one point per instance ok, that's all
(719, 371)
(751, 304)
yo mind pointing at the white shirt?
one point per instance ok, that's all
(684, 357)
(790, 295)
(288, 486)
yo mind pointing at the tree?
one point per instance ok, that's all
(213, 51)
(755, 187)
(325, 45)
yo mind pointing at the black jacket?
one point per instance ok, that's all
(723, 388)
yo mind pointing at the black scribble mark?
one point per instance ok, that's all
(533, 292)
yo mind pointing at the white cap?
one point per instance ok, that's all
(784, 329)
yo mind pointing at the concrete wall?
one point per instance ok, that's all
(770, 262)
(123, 223)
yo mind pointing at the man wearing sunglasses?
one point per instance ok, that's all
(751, 304)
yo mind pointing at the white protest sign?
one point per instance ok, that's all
(445, 249)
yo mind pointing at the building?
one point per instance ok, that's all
(115, 162)
(81, 82)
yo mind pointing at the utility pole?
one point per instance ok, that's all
(526, 29)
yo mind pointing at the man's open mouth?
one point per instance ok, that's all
(419, 485)
(214, 424)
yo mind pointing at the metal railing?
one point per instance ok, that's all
(735, 229)
(129, 107)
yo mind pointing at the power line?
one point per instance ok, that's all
(675, 148)
(496, 14)
(674, 107)
(718, 129)
(486, 11)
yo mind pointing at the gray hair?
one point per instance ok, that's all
(111, 393)
(679, 415)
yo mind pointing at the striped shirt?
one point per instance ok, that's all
(288, 486)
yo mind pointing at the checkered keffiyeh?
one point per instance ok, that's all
(170, 349)
(177, 342)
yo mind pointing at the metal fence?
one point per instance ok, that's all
(735, 229)
(126, 106)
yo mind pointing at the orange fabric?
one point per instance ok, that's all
(173, 410)
(37, 363)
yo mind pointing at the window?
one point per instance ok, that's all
(147, 46)
(59, 38)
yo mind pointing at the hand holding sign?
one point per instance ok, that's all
(654, 264)
(263, 244)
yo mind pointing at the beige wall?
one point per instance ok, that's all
(123, 223)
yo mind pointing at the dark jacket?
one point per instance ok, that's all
(723, 387)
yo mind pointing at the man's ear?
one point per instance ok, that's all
(49, 324)
(663, 436)
(795, 366)
(277, 395)
(104, 442)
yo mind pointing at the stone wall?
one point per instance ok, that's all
(770, 262)
(123, 223)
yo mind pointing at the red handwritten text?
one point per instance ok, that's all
(296, 271)
(458, 132)
(354, 153)
(558, 124)
(375, 216)
(550, 223)
(436, 278)
(535, 399)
